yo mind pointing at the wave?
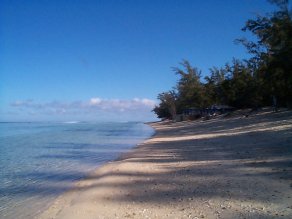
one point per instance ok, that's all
(71, 122)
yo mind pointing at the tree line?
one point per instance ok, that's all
(262, 80)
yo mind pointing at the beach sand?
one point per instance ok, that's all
(236, 167)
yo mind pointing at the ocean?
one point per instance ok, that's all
(39, 161)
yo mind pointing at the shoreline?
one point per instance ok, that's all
(89, 174)
(228, 168)
(54, 164)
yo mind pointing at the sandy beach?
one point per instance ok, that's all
(231, 167)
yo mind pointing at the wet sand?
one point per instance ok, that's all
(236, 167)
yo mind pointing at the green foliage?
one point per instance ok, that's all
(190, 89)
(167, 106)
(213, 86)
(273, 51)
(241, 84)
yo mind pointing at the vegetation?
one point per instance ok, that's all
(264, 79)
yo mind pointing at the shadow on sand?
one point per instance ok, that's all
(242, 159)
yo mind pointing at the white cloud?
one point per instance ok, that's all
(93, 106)
(95, 101)
(147, 102)
(121, 104)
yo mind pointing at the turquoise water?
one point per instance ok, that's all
(39, 161)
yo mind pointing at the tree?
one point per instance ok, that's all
(190, 89)
(167, 106)
(213, 86)
(265, 76)
(272, 52)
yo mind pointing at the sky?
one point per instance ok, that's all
(100, 60)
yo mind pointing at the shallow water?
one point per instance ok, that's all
(39, 161)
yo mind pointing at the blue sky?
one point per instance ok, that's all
(109, 59)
